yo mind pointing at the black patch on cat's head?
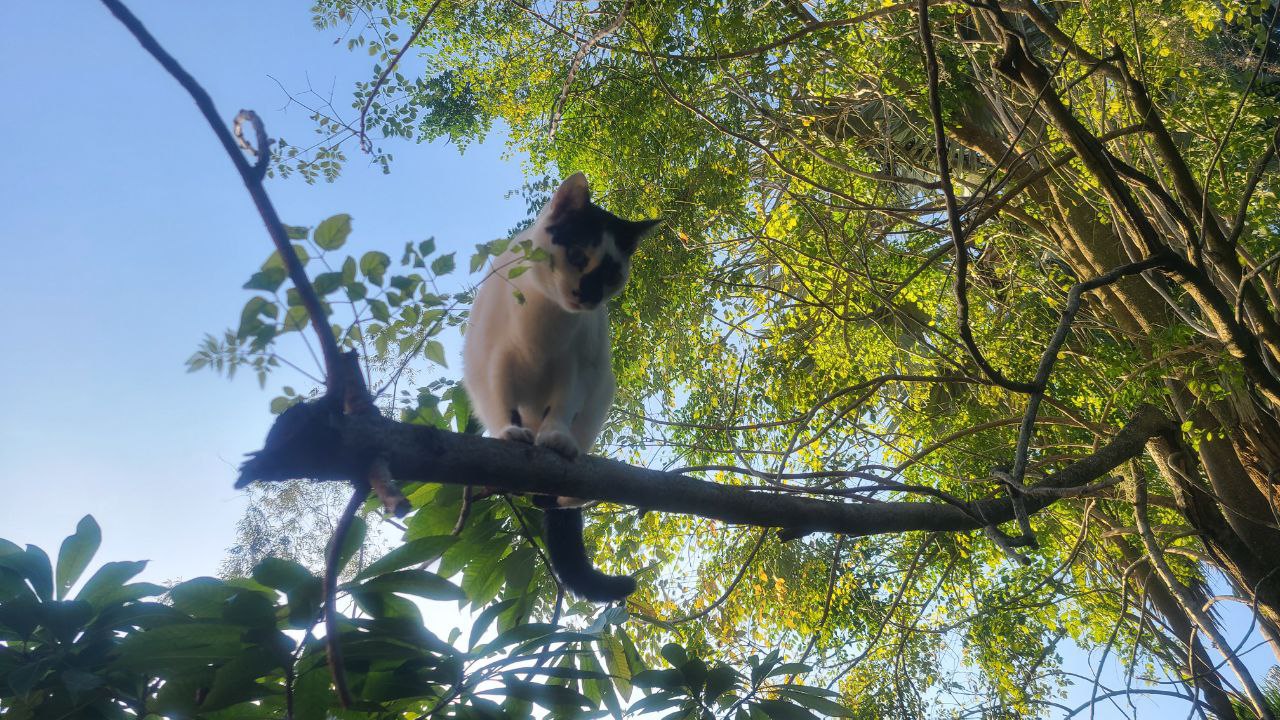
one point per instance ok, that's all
(603, 279)
(590, 247)
(585, 228)
(578, 225)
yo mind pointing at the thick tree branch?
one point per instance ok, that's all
(1201, 619)
(419, 453)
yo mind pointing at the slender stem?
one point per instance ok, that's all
(331, 571)
(961, 246)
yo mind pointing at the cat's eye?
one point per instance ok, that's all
(576, 257)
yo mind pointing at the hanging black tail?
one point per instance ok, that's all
(562, 529)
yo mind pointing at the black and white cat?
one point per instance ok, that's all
(538, 371)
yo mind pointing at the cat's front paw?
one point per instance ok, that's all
(559, 441)
(517, 433)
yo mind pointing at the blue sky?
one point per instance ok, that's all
(127, 236)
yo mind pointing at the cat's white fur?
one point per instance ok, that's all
(548, 354)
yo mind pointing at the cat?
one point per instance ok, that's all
(536, 354)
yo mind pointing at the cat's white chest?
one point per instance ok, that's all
(533, 363)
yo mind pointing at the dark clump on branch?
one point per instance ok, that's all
(304, 443)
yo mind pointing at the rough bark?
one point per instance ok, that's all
(311, 441)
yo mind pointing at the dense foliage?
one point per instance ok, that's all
(248, 647)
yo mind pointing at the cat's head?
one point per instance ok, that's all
(590, 248)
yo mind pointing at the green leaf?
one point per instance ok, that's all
(782, 710)
(426, 247)
(415, 582)
(720, 679)
(236, 681)
(482, 577)
(415, 552)
(312, 696)
(203, 597)
(349, 270)
(250, 323)
(405, 283)
(517, 271)
(281, 574)
(357, 291)
(670, 680)
(303, 589)
(269, 279)
(374, 265)
(332, 233)
(675, 655)
(443, 265)
(499, 246)
(564, 671)
(142, 615)
(380, 310)
(352, 542)
(790, 669)
(654, 702)
(296, 232)
(807, 697)
(325, 283)
(20, 616)
(25, 677)
(435, 352)
(295, 318)
(596, 684)
(181, 646)
(15, 561)
(76, 552)
(615, 658)
(39, 571)
(551, 697)
(486, 618)
(519, 634)
(78, 681)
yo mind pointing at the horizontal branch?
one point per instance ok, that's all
(311, 442)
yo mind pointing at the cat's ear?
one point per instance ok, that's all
(572, 195)
(637, 231)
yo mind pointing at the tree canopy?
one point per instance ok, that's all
(929, 261)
